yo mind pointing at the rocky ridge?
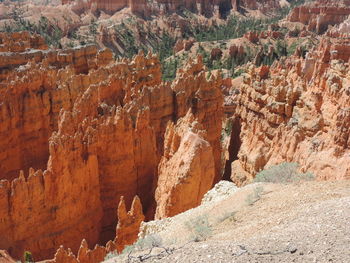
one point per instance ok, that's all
(96, 130)
(318, 15)
(103, 125)
(160, 7)
(294, 111)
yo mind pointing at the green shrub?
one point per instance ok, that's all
(230, 216)
(200, 228)
(148, 242)
(28, 257)
(283, 173)
(228, 127)
(49, 30)
(255, 196)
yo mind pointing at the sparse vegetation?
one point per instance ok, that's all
(169, 68)
(230, 216)
(200, 228)
(283, 173)
(255, 196)
(228, 127)
(226, 131)
(142, 245)
(28, 257)
(148, 242)
(47, 29)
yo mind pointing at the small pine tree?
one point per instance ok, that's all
(28, 257)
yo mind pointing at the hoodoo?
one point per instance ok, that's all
(174, 130)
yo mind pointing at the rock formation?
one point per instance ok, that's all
(5, 257)
(187, 169)
(99, 125)
(20, 42)
(128, 223)
(207, 8)
(158, 7)
(127, 231)
(182, 44)
(318, 15)
(35, 85)
(296, 111)
(266, 6)
(340, 31)
(85, 255)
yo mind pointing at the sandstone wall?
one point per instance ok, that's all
(144, 8)
(266, 6)
(320, 14)
(127, 231)
(187, 169)
(99, 125)
(298, 113)
(34, 85)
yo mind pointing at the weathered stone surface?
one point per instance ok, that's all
(35, 209)
(145, 8)
(127, 232)
(20, 42)
(85, 255)
(187, 169)
(320, 14)
(34, 86)
(5, 257)
(262, 5)
(182, 44)
(128, 223)
(297, 113)
(99, 125)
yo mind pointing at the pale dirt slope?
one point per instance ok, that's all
(304, 222)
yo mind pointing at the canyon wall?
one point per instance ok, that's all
(208, 8)
(266, 6)
(295, 111)
(127, 233)
(186, 170)
(318, 15)
(35, 84)
(99, 125)
(128, 224)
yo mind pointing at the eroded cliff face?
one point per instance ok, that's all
(127, 231)
(318, 15)
(208, 8)
(296, 111)
(99, 125)
(128, 224)
(266, 6)
(186, 170)
(35, 84)
(5, 257)
(156, 7)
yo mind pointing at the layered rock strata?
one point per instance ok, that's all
(35, 84)
(127, 231)
(318, 15)
(128, 224)
(266, 6)
(296, 111)
(99, 125)
(186, 170)
(220, 8)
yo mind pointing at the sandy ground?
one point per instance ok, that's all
(303, 222)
